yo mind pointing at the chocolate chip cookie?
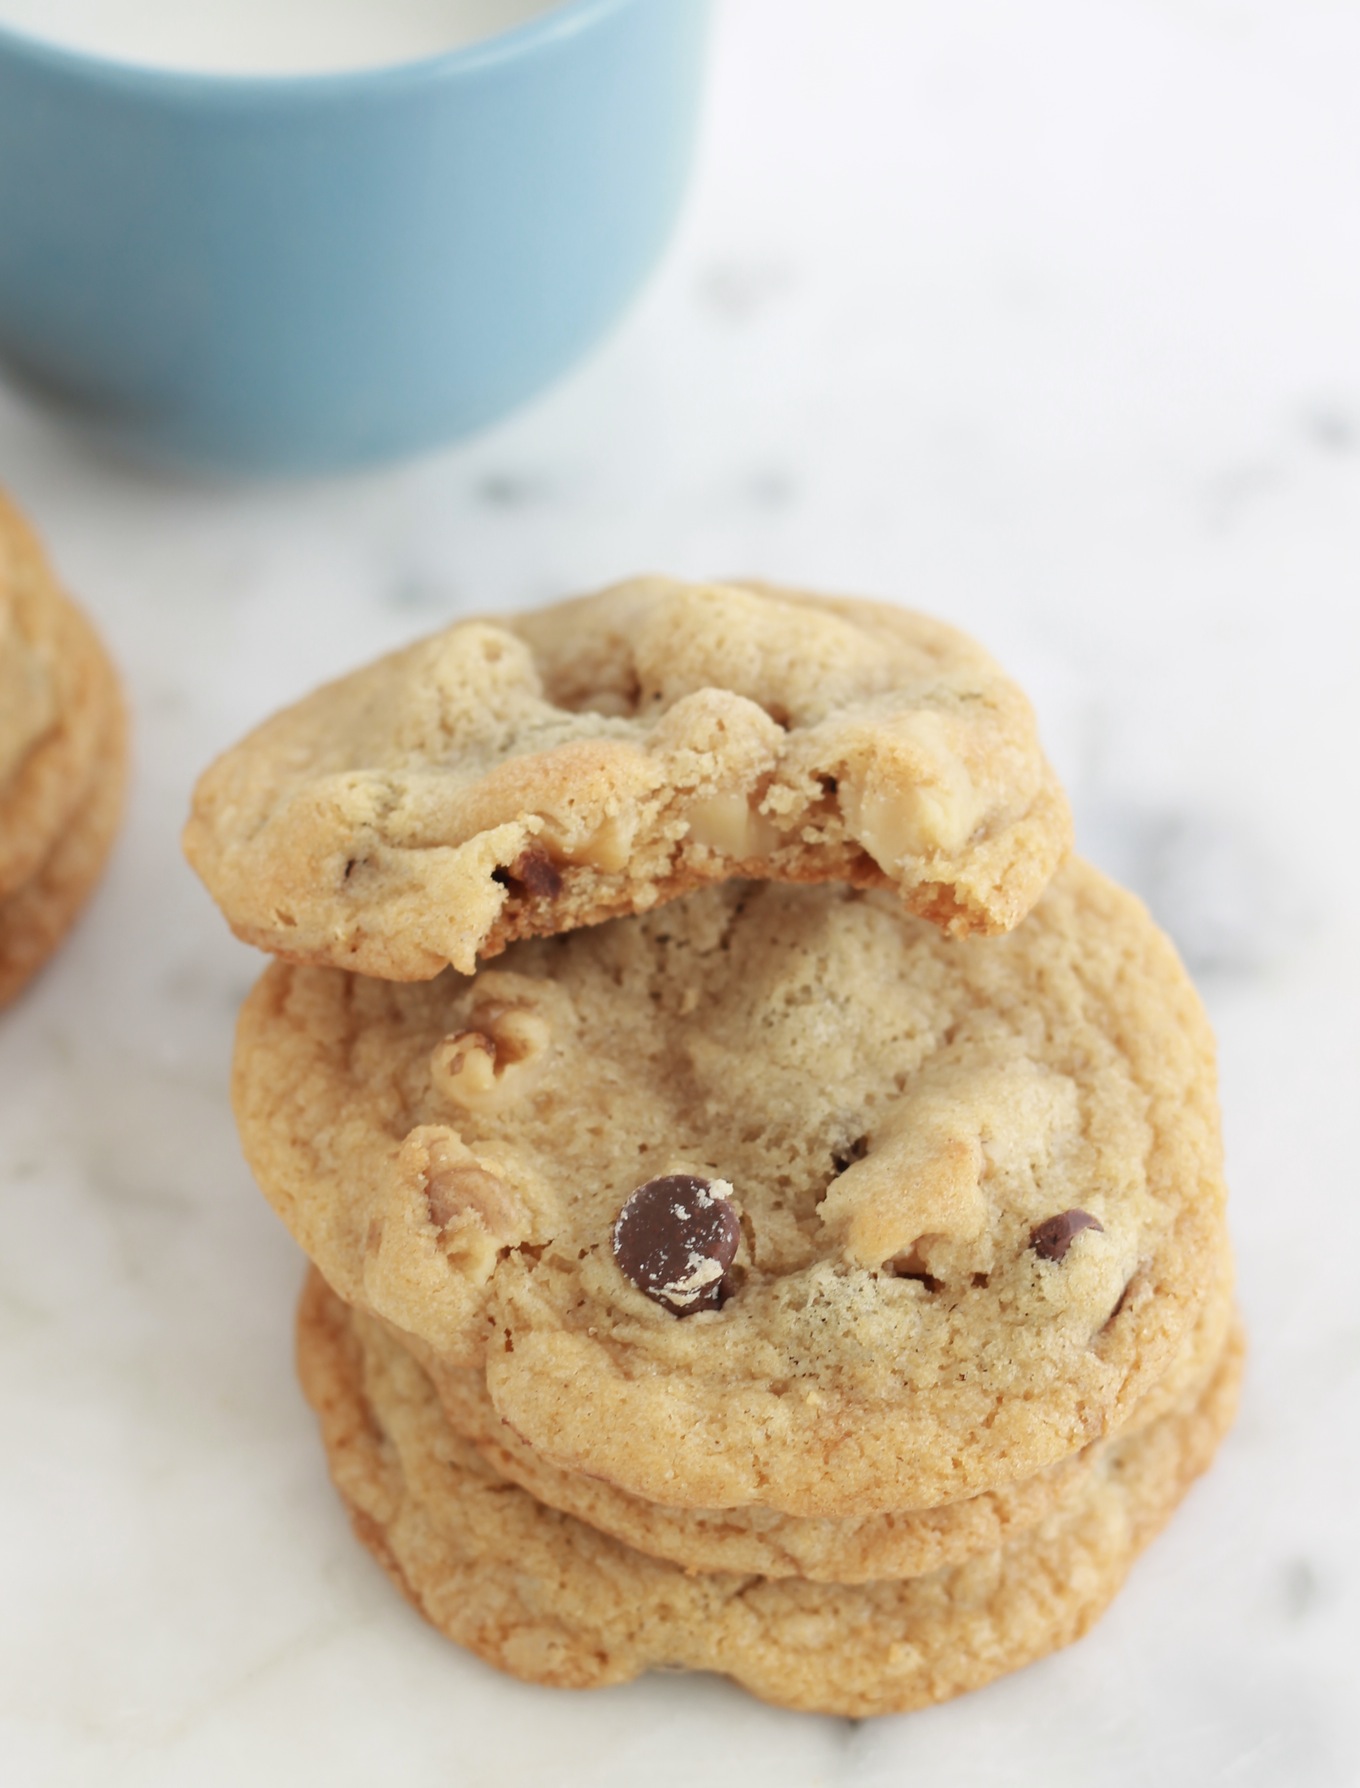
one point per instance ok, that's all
(550, 1600)
(537, 773)
(906, 1543)
(976, 1185)
(63, 751)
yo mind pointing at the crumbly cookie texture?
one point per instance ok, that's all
(550, 1600)
(907, 1543)
(534, 774)
(57, 692)
(899, 1115)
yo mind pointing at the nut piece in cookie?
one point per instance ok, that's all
(457, 1186)
(500, 1055)
(447, 1218)
(531, 776)
(493, 1063)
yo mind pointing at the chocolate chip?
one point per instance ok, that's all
(842, 1158)
(1052, 1238)
(534, 873)
(675, 1238)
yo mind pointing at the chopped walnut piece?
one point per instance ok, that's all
(728, 823)
(498, 1058)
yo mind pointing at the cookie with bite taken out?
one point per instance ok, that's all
(541, 772)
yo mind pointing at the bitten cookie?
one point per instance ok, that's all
(545, 771)
(775, 1196)
(550, 1600)
(63, 758)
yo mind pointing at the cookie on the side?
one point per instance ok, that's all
(550, 1600)
(541, 772)
(922, 1216)
(37, 916)
(63, 757)
(57, 688)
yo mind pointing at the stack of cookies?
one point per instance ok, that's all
(63, 758)
(800, 1253)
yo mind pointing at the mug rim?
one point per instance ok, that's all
(565, 19)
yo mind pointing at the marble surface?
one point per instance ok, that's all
(1040, 317)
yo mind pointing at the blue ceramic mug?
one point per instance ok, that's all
(299, 274)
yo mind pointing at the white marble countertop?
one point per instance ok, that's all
(1042, 317)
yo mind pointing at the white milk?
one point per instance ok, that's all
(267, 36)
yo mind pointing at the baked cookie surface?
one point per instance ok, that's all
(36, 917)
(907, 1543)
(28, 699)
(58, 691)
(978, 1184)
(546, 771)
(552, 1601)
(63, 757)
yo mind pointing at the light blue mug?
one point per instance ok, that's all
(308, 273)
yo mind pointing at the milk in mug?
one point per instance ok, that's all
(267, 37)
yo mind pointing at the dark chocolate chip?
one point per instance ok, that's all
(842, 1158)
(1052, 1238)
(675, 1238)
(534, 873)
